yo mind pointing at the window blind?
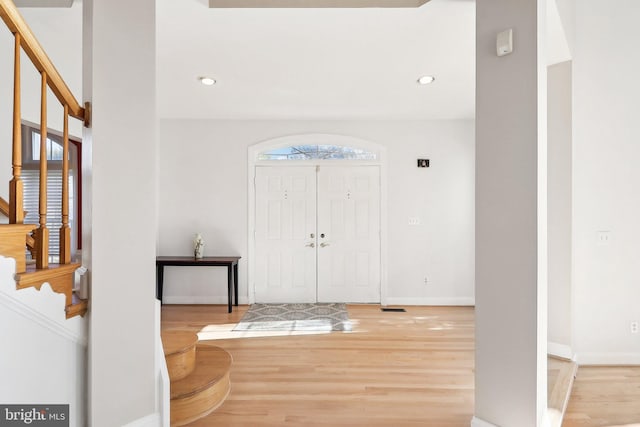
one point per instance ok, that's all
(31, 180)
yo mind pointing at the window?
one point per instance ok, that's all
(31, 181)
(54, 149)
(317, 152)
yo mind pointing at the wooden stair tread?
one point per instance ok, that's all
(77, 308)
(174, 341)
(17, 228)
(212, 366)
(36, 277)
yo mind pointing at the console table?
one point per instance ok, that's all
(230, 262)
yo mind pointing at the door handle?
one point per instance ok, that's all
(324, 244)
(310, 245)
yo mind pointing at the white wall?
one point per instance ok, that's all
(511, 233)
(121, 146)
(59, 31)
(203, 188)
(44, 355)
(559, 208)
(606, 129)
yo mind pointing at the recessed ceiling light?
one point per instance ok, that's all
(208, 81)
(425, 80)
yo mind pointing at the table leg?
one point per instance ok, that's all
(159, 281)
(235, 281)
(229, 291)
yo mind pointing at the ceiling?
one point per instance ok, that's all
(303, 63)
(316, 63)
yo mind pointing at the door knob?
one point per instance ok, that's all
(311, 245)
(312, 235)
(323, 244)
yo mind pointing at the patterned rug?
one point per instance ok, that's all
(321, 317)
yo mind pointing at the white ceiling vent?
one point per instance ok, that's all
(314, 3)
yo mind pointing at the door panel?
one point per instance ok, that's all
(285, 220)
(341, 262)
(349, 219)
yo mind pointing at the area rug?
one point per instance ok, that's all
(320, 317)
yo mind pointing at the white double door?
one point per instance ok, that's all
(317, 234)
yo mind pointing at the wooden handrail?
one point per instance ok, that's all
(4, 207)
(26, 41)
(17, 25)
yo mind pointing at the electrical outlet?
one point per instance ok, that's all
(634, 327)
(413, 220)
(604, 238)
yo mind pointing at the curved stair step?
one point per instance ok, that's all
(180, 352)
(204, 389)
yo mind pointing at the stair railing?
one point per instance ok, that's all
(50, 78)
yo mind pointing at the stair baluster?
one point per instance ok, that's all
(42, 235)
(16, 236)
(16, 192)
(65, 230)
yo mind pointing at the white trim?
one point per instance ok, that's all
(560, 350)
(151, 420)
(330, 139)
(464, 301)
(193, 299)
(163, 392)
(477, 422)
(608, 358)
(24, 310)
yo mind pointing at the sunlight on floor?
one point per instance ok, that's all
(226, 332)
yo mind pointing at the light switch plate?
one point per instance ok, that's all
(504, 42)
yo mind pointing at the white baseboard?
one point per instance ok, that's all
(163, 392)
(151, 420)
(608, 358)
(560, 350)
(477, 422)
(465, 301)
(200, 300)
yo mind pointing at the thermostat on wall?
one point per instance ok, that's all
(423, 163)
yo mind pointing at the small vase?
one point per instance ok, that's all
(198, 253)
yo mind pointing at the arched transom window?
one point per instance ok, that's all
(317, 152)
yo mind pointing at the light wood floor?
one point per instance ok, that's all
(604, 396)
(394, 369)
